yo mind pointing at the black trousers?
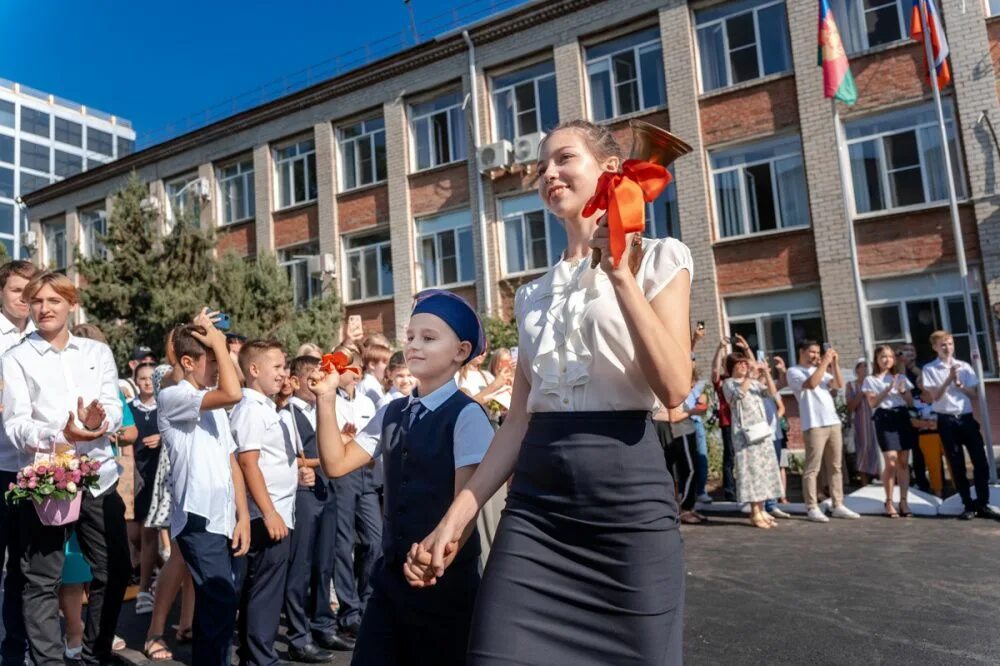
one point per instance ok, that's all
(956, 432)
(680, 453)
(262, 597)
(15, 641)
(359, 521)
(104, 544)
(217, 576)
(310, 567)
(728, 464)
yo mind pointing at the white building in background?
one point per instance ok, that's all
(43, 139)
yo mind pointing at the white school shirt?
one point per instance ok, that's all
(370, 387)
(473, 432)
(199, 445)
(875, 385)
(41, 388)
(358, 411)
(11, 460)
(575, 345)
(392, 394)
(816, 408)
(306, 409)
(475, 381)
(953, 401)
(257, 426)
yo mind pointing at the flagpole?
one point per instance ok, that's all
(956, 226)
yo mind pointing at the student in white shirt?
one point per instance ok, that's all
(267, 456)
(952, 384)
(812, 381)
(209, 514)
(15, 324)
(399, 380)
(375, 355)
(61, 391)
(357, 507)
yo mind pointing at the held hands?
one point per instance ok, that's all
(276, 528)
(241, 537)
(427, 560)
(213, 336)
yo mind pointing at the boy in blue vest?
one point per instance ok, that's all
(431, 443)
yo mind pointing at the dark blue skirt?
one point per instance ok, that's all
(587, 565)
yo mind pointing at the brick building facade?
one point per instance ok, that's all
(378, 169)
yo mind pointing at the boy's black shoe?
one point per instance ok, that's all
(333, 640)
(310, 654)
(986, 511)
(968, 514)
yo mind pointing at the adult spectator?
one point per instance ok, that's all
(813, 382)
(725, 424)
(906, 355)
(865, 445)
(952, 384)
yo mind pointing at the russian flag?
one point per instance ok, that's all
(939, 44)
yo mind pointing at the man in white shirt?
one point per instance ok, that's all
(61, 392)
(15, 325)
(952, 385)
(813, 380)
(267, 456)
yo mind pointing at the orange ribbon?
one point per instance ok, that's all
(624, 196)
(338, 361)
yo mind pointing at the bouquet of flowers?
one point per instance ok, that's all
(54, 485)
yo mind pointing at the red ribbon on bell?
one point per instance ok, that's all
(339, 362)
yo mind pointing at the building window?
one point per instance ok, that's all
(237, 189)
(662, 216)
(6, 149)
(897, 160)
(125, 146)
(6, 183)
(438, 131)
(741, 41)
(7, 219)
(93, 229)
(524, 102)
(864, 24)
(35, 156)
(30, 182)
(776, 323)
(760, 187)
(362, 153)
(908, 309)
(55, 245)
(305, 285)
(183, 201)
(993, 7)
(69, 132)
(67, 164)
(626, 75)
(533, 238)
(296, 165)
(369, 267)
(100, 142)
(6, 114)
(93, 162)
(35, 122)
(445, 250)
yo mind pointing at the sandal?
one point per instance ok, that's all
(690, 518)
(905, 512)
(144, 603)
(156, 649)
(890, 510)
(118, 644)
(184, 635)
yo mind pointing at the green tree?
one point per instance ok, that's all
(500, 333)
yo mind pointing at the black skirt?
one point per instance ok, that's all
(587, 564)
(893, 429)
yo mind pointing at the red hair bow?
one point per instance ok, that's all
(624, 196)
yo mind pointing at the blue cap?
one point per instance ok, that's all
(455, 311)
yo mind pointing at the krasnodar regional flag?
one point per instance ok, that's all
(939, 44)
(838, 82)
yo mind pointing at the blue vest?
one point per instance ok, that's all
(420, 477)
(307, 434)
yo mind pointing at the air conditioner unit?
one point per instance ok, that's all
(495, 156)
(526, 148)
(204, 189)
(150, 203)
(29, 239)
(321, 264)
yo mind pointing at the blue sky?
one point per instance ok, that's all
(161, 62)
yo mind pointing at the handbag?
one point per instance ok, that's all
(757, 432)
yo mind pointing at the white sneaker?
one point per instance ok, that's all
(705, 498)
(778, 513)
(843, 512)
(816, 515)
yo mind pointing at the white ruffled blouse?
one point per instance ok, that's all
(573, 339)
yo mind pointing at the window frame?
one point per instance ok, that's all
(989, 11)
(111, 142)
(860, 25)
(292, 259)
(496, 92)
(521, 217)
(635, 49)
(56, 152)
(884, 172)
(744, 198)
(56, 233)
(370, 137)
(359, 250)
(308, 172)
(55, 132)
(454, 230)
(93, 220)
(414, 134)
(249, 189)
(788, 314)
(26, 109)
(186, 190)
(697, 27)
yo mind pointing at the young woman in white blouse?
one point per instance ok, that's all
(587, 565)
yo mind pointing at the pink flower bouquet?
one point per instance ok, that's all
(55, 486)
